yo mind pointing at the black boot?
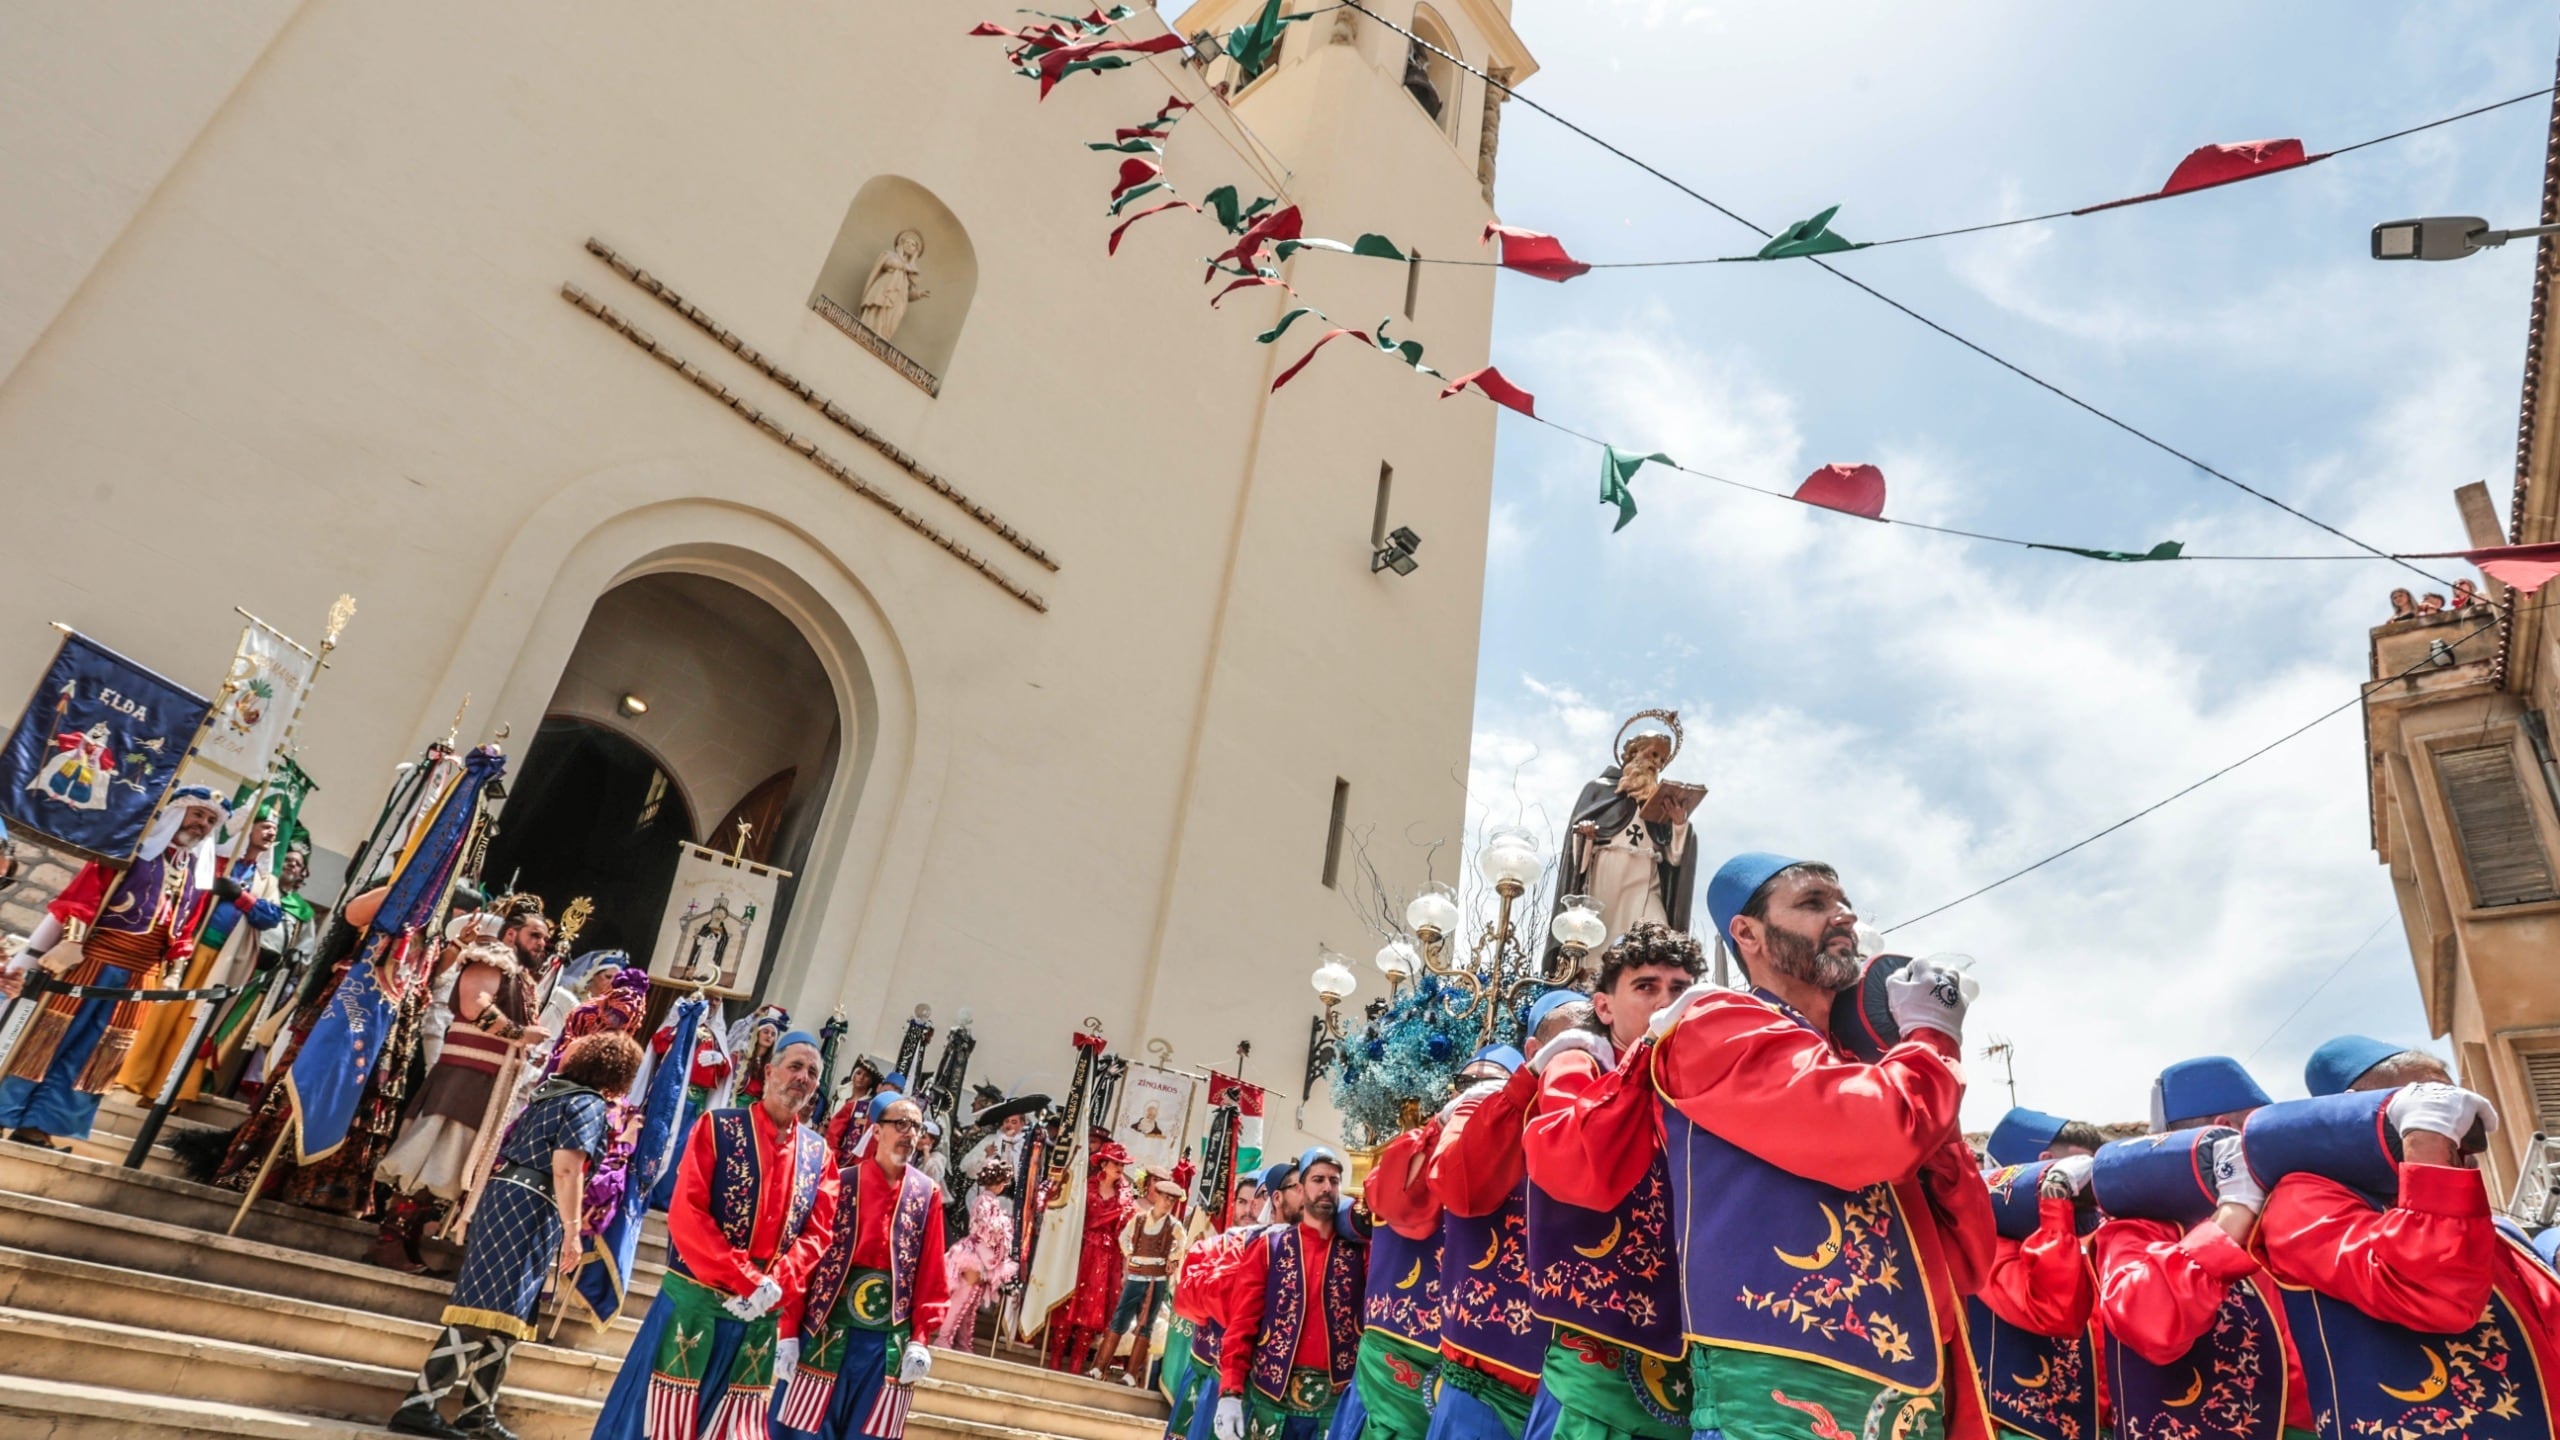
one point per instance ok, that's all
(443, 1370)
(488, 1371)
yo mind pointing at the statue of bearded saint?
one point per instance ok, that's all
(892, 284)
(1628, 845)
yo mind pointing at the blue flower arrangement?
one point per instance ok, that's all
(1410, 1052)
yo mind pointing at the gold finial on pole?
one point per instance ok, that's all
(339, 614)
(574, 919)
(738, 851)
(453, 732)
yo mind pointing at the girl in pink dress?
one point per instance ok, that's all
(979, 1262)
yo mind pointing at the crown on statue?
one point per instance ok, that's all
(1667, 723)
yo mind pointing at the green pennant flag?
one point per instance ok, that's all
(1287, 320)
(1377, 247)
(1806, 238)
(1616, 469)
(1253, 45)
(2165, 550)
(1408, 350)
(1132, 193)
(1134, 146)
(1232, 212)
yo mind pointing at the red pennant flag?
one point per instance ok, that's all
(1247, 251)
(1850, 489)
(2521, 568)
(1248, 283)
(1134, 172)
(1053, 65)
(1532, 253)
(1123, 227)
(1173, 105)
(1496, 389)
(1322, 341)
(2211, 165)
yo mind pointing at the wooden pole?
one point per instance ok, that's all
(258, 1181)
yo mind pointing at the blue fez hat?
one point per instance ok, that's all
(1506, 1056)
(894, 1080)
(881, 1102)
(1277, 1175)
(1736, 881)
(1318, 1155)
(796, 1037)
(2341, 1062)
(2347, 1137)
(2159, 1177)
(1548, 1004)
(2208, 1085)
(2021, 1136)
(2545, 1244)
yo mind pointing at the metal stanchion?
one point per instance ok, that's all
(205, 1009)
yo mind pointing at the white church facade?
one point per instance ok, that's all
(739, 405)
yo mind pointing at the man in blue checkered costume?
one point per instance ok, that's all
(526, 1228)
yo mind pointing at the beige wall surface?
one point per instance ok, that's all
(314, 341)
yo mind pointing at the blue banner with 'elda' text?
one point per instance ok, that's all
(95, 750)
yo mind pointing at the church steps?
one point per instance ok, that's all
(965, 1368)
(956, 1401)
(77, 1180)
(129, 1357)
(82, 1290)
(36, 1409)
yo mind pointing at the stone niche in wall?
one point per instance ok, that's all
(899, 278)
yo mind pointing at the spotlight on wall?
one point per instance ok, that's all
(1397, 553)
(634, 706)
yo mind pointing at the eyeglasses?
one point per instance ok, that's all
(906, 1125)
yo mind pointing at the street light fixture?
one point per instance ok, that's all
(2445, 237)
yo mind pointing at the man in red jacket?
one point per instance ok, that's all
(1292, 1317)
(1829, 1212)
(2431, 1322)
(2195, 1334)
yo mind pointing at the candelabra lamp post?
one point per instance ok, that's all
(1333, 981)
(1498, 972)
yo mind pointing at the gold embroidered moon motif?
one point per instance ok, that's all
(1823, 1254)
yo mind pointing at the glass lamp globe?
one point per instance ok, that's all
(1433, 913)
(1508, 858)
(1333, 979)
(1397, 961)
(1578, 925)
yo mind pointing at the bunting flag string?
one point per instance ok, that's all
(1267, 234)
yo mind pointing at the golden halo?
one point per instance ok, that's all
(1670, 718)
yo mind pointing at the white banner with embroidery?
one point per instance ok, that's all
(1155, 1117)
(718, 921)
(259, 698)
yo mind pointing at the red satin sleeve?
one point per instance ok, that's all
(692, 1232)
(1591, 1133)
(1743, 1070)
(2425, 1263)
(1952, 1179)
(79, 900)
(1478, 1162)
(1398, 1191)
(2158, 1289)
(1242, 1311)
(2043, 1284)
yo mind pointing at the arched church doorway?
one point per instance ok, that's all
(688, 705)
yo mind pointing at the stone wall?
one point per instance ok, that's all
(42, 872)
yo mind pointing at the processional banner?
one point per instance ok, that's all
(96, 750)
(269, 674)
(1154, 1122)
(716, 923)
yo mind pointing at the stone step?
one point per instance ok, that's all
(47, 1226)
(135, 1358)
(80, 1289)
(961, 1367)
(36, 1409)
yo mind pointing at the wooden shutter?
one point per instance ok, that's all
(2493, 820)
(2542, 1077)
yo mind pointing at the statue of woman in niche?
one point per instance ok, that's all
(892, 285)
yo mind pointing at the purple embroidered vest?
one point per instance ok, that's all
(1404, 1288)
(1486, 1311)
(1778, 1263)
(2037, 1385)
(738, 1179)
(2369, 1377)
(2229, 1386)
(1610, 1273)
(876, 1306)
(1284, 1309)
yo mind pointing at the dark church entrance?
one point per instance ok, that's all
(593, 815)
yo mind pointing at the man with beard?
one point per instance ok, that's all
(1627, 846)
(1200, 1293)
(1292, 1317)
(493, 1005)
(754, 1210)
(877, 1285)
(1601, 1255)
(1828, 1210)
(2029, 1327)
(244, 907)
(139, 920)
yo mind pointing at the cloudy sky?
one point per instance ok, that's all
(1930, 713)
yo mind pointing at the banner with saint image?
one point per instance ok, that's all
(96, 750)
(1155, 1117)
(718, 921)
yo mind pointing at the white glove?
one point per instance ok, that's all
(742, 1306)
(915, 1363)
(786, 1358)
(2446, 1110)
(2232, 1182)
(2074, 1171)
(1930, 995)
(1230, 1422)
(1669, 1015)
(1472, 1090)
(1589, 1042)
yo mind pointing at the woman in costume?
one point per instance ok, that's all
(526, 1229)
(980, 1262)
